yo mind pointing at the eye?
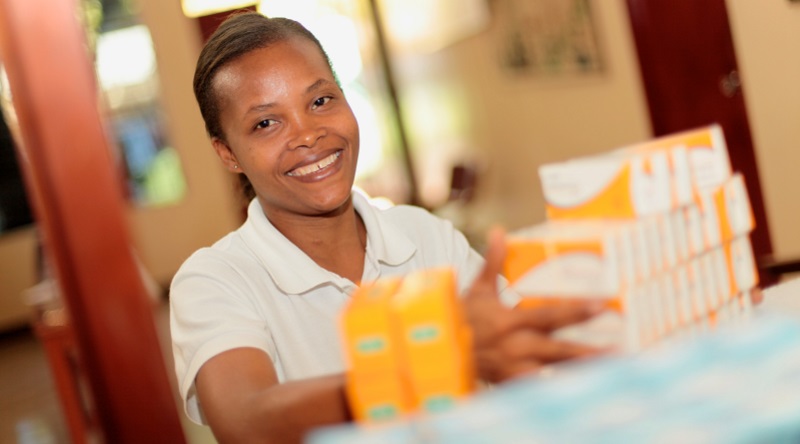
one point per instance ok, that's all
(320, 102)
(264, 124)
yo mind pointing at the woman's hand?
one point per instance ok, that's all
(509, 342)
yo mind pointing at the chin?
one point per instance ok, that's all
(334, 205)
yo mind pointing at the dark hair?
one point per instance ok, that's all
(240, 33)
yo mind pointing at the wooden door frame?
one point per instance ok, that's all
(77, 200)
(743, 158)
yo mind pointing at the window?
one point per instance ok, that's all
(127, 72)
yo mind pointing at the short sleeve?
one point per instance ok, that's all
(210, 313)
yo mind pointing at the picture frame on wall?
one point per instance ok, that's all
(548, 37)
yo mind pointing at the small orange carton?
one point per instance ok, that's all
(378, 397)
(369, 333)
(376, 387)
(435, 338)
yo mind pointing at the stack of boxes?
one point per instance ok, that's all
(408, 345)
(660, 230)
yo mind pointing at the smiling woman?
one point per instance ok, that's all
(288, 128)
(255, 317)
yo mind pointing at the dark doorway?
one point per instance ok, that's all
(690, 74)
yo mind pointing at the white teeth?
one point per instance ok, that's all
(302, 171)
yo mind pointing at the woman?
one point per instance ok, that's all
(255, 317)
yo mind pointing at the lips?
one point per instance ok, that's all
(316, 166)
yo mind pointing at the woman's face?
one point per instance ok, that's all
(288, 127)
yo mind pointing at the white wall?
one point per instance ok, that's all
(164, 237)
(520, 121)
(767, 38)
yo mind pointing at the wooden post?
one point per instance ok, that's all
(77, 201)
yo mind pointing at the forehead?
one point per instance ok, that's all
(285, 64)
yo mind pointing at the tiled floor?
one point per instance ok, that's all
(28, 404)
(29, 408)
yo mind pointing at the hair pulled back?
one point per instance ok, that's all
(239, 34)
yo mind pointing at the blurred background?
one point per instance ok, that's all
(459, 103)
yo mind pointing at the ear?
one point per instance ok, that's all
(225, 154)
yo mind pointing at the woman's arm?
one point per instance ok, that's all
(243, 402)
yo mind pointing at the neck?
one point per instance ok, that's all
(336, 242)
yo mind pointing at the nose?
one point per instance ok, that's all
(308, 131)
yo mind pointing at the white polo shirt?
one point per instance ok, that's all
(255, 288)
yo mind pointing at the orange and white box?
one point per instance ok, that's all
(644, 265)
(620, 185)
(704, 289)
(687, 313)
(679, 168)
(693, 222)
(622, 331)
(680, 233)
(708, 155)
(647, 312)
(554, 261)
(670, 302)
(741, 264)
(576, 259)
(710, 221)
(716, 295)
(667, 239)
(656, 255)
(721, 270)
(735, 213)
(665, 304)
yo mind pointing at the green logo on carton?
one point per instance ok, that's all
(382, 412)
(371, 344)
(439, 403)
(424, 333)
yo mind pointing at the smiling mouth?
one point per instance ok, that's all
(314, 167)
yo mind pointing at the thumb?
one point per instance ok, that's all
(486, 281)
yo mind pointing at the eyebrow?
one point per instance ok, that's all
(313, 87)
(318, 84)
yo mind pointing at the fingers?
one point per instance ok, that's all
(545, 349)
(547, 318)
(485, 284)
(523, 352)
(495, 253)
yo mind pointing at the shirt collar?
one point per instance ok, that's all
(385, 241)
(296, 273)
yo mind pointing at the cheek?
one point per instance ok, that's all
(353, 130)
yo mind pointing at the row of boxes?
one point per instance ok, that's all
(640, 180)
(660, 230)
(408, 346)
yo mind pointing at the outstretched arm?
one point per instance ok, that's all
(244, 403)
